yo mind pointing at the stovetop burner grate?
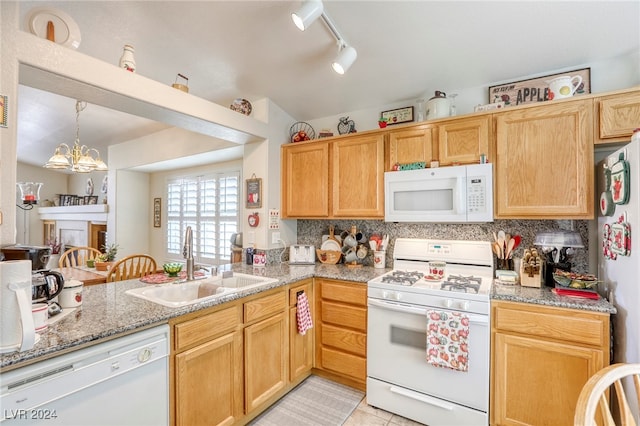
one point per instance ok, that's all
(462, 283)
(402, 277)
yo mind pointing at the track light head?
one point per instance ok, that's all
(309, 12)
(346, 57)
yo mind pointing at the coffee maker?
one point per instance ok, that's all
(45, 284)
(558, 247)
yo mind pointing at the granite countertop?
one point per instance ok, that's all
(544, 296)
(107, 312)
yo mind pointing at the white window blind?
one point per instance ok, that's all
(210, 205)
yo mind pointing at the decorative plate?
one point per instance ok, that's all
(242, 106)
(66, 30)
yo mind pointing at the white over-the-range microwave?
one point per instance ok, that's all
(455, 194)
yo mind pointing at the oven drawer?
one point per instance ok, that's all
(420, 407)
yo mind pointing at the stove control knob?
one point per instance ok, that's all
(447, 303)
(464, 305)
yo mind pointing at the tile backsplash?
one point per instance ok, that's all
(311, 232)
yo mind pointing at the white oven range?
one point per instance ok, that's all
(399, 378)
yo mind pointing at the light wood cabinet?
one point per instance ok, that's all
(463, 140)
(338, 178)
(544, 163)
(300, 345)
(358, 176)
(541, 358)
(266, 349)
(341, 331)
(305, 180)
(410, 145)
(618, 116)
(208, 369)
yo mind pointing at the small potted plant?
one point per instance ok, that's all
(382, 122)
(105, 260)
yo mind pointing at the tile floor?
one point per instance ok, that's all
(367, 415)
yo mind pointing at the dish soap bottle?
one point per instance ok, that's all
(127, 61)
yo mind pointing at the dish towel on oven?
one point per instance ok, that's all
(303, 315)
(447, 339)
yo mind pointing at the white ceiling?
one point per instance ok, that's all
(252, 50)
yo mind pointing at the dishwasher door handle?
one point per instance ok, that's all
(408, 309)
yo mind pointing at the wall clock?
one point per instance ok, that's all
(254, 219)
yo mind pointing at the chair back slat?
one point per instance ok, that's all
(77, 256)
(133, 266)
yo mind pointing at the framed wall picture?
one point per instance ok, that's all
(536, 89)
(4, 109)
(254, 193)
(397, 116)
(157, 207)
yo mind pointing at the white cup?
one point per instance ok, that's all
(564, 86)
(350, 255)
(379, 258)
(71, 294)
(40, 312)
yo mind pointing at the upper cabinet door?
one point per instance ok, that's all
(358, 176)
(305, 180)
(619, 116)
(461, 141)
(410, 146)
(544, 163)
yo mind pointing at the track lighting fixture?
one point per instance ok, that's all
(346, 57)
(307, 14)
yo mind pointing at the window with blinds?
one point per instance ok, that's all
(210, 205)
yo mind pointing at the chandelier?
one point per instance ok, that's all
(80, 155)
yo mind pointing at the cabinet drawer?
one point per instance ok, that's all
(346, 364)
(344, 316)
(346, 340)
(555, 323)
(207, 327)
(355, 294)
(293, 292)
(264, 307)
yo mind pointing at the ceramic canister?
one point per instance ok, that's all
(71, 295)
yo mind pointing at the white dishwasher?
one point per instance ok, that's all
(124, 381)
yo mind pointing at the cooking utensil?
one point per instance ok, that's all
(510, 245)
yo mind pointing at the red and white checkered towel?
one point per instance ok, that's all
(303, 315)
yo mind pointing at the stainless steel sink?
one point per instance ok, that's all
(190, 292)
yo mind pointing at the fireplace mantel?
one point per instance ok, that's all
(88, 213)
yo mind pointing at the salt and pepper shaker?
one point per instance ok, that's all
(127, 61)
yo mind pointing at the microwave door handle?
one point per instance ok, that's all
(406, 309)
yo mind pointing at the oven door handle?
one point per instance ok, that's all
(422, 398)
(399, 307)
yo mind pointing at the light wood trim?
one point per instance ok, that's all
(342, 291)
(345, 340)
(265, 306)
(206, 327)
(346, 364)
(265, 360)
(565, 325)
(618, 116)
(215, 369)
(345, 316)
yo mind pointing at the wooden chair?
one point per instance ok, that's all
(594, 394)
(77, 256)
(134, 266)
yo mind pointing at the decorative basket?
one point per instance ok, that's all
(330, 257)
(301, 132)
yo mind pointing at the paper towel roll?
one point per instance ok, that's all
(17, 330)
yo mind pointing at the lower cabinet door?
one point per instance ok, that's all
(266, 352)
(537, 382)
(300, 349)
(209, 382)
